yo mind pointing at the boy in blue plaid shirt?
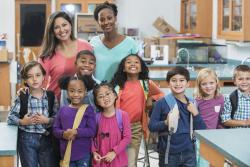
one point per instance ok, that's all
(241, 114)
(34, 120)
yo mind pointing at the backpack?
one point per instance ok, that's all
(24, 103)
(234, 102)
(118, 116)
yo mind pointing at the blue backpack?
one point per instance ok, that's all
(118, 114)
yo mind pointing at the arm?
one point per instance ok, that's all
(154, 91)
(90, 129)
(46, 65)
(226, 116)
(126, 135)
(13, 117)
(57, 127)
(157, 123)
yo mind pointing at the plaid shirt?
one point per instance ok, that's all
(243, 108)
(35, 105)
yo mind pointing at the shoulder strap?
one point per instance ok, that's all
(170, 100)
(234, 102)
(23, 104)
(51, 100)
(145, 87)
(118, 115)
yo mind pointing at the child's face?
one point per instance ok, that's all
(106, 97)
(35, 78)
(76, 91)
(208, 86)
(178, 83)
(242, 81)
(85, 65)
(132, 65)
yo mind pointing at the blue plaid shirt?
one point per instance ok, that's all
(35, 105)
(243, 108)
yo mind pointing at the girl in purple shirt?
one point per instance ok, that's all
(209, 100)
(63, 124)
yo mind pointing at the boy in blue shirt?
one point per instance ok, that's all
(179, 150)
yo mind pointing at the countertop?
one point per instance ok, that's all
(224, 71)
(8, 139)
(232, 143)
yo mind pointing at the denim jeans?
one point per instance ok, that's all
(84, 162)
(35, 150)
(186, 158)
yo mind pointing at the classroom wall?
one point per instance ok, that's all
(132, 13)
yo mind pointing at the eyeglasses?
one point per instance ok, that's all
(102, 96)
(103, 135)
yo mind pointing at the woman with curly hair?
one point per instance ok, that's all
(135, 92)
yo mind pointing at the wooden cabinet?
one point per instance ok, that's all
(76, 6)
(234, 20)
(5, 85)
(196, 17)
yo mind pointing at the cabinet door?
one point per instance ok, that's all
(233, 19)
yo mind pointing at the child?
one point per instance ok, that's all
(208, 98)
(75, 125)
(33, 113)
(179, 150)
(114, 134)
(135, 90)
(85, 66)
(237, 106)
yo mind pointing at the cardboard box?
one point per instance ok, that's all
(161, 25)
(171, 47)
(148, 42)
(3, 55)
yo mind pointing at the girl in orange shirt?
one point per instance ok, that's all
(135, 90)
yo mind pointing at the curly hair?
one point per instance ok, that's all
(120, 77)
(87, 81)
(105, 5)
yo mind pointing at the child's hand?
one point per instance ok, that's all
(192, 109)
(97, 157)
(23, 90)
(166, 120)
(41, 119)
(27, 120)
(109, 157)
(248, 122)
(69, 134)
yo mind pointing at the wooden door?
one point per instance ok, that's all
(31, 17)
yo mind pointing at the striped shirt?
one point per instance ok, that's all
(243, 108)
(35, 105)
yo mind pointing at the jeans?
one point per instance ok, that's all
(185, 158)
(35, 150)
(84, 162)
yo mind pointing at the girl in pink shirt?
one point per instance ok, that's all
(59, 49)
(111, 141)
(209, 100)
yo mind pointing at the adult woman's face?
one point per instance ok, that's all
(62, 29)
(106, 20)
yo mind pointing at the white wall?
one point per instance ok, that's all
(7, 22)
(132, 13)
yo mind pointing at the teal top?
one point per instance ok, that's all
(107, 60)
(232, 143)
(8, 139)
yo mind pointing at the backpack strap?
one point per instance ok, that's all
(23, 104)
(170, 100)
(51, 101)
(145, 87)
(234, 102)
(118, 115)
